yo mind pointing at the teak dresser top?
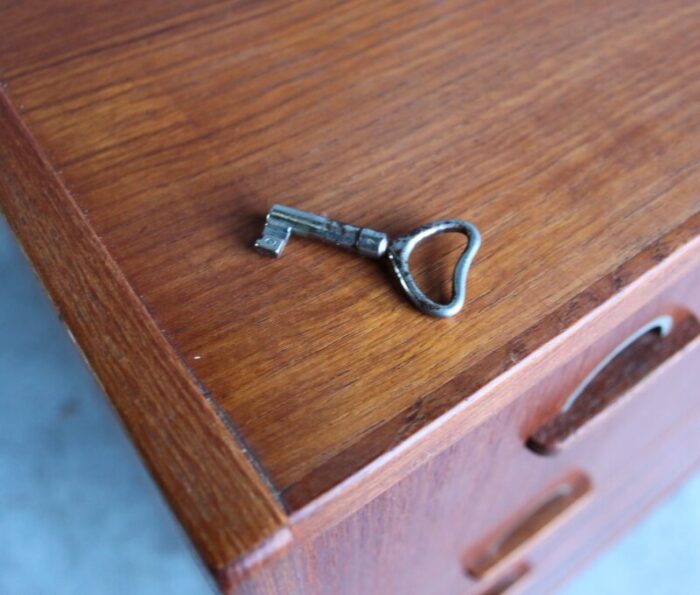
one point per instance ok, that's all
(141, 145)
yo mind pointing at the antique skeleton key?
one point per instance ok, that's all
(283, 222)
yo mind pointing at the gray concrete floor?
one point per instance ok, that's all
(79, 515)
(78, 512)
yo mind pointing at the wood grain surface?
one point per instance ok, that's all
(165, 130)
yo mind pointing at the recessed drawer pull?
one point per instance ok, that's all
(624, 366)
(662, 325)
(525, 526)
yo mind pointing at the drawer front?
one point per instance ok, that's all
(488, 516)
(635, 390)
(590, 481)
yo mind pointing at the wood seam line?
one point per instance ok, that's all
(237, 435)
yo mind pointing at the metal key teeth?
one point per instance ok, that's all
(282, 222)
(273, 240)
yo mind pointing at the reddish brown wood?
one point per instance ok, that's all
(418, 535)
(275, 400)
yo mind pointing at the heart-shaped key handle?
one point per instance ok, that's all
(282, 222)
(399, 253)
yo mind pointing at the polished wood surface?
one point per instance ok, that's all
(485, 495)
(143, 143)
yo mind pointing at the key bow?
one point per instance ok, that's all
(399, 253)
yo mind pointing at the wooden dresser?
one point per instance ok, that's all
(313, 432)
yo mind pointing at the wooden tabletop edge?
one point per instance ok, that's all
(221, 496)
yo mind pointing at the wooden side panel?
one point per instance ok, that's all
(186, 441)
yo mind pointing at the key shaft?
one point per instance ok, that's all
(283, 222)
